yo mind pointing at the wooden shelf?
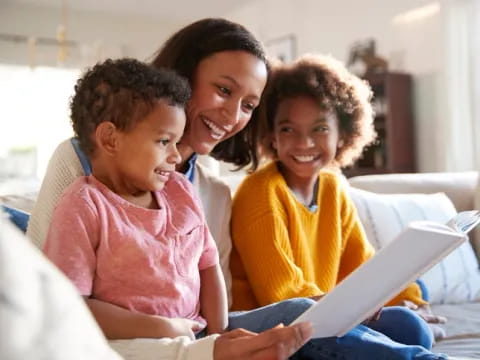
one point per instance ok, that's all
(394, 149)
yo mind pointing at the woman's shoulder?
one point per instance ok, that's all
(206, 180)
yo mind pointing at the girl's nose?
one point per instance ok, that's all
(306, 141)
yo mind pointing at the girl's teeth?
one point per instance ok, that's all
(304, 158)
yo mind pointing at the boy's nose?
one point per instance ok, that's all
(175, 156)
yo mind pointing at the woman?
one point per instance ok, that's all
(227, 69)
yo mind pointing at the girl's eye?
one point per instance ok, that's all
(322, 129)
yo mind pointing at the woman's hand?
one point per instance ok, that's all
(275, 344)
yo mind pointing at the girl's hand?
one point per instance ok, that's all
(425, 312)
(374, 317)
(181, 327)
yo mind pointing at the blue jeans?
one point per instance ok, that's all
(360, 343)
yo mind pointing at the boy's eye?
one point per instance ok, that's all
(164, 142)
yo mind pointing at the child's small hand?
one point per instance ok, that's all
(182, 327)
(425, 313)
(376, 315)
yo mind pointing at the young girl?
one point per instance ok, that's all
(295, 230)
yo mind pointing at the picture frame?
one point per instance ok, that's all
(283, 48)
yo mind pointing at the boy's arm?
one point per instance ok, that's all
(119, 323)
(213, 299)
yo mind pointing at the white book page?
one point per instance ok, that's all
(371, 285)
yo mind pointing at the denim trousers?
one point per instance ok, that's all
(399, 334)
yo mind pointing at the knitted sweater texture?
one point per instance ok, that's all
(283, 250)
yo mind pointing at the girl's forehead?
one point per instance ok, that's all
(302, 109)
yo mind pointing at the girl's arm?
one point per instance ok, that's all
(213, 299)
(119, 323)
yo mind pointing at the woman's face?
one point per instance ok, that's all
(226, 88)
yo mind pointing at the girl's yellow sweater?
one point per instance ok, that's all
(283, 250)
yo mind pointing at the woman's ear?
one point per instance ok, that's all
(106, 137)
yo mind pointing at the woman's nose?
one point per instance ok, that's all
(231, 115)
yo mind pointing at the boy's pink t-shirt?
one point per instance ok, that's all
(143, 260)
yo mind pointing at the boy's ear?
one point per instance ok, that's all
(106, 137)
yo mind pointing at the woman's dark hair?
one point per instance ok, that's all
(333, 88)
(123, 92)
(188, 47)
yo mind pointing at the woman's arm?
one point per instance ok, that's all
(63, 168)
(213, 299)
(119, 323)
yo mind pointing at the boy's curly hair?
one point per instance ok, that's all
(123, 92)
(334, 88)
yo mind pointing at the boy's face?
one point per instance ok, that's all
(305, 137)
(147, 153)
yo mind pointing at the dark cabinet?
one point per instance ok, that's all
(394, 149)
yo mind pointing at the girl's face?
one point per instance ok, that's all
(305, 137)
(226, 88)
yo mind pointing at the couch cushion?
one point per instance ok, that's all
(456, 278)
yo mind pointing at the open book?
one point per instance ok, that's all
(419, 247)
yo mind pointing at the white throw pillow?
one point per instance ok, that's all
(456, 278)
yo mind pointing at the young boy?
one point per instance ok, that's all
(131, 236)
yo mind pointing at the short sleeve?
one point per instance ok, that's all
(72, 240)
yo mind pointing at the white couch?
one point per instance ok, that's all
(463, 328)
(461, 309)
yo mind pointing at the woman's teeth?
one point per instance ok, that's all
(216, 132)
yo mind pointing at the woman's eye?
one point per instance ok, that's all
(249, 107)
(164, 142)
(224, 90)
(286, 130)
